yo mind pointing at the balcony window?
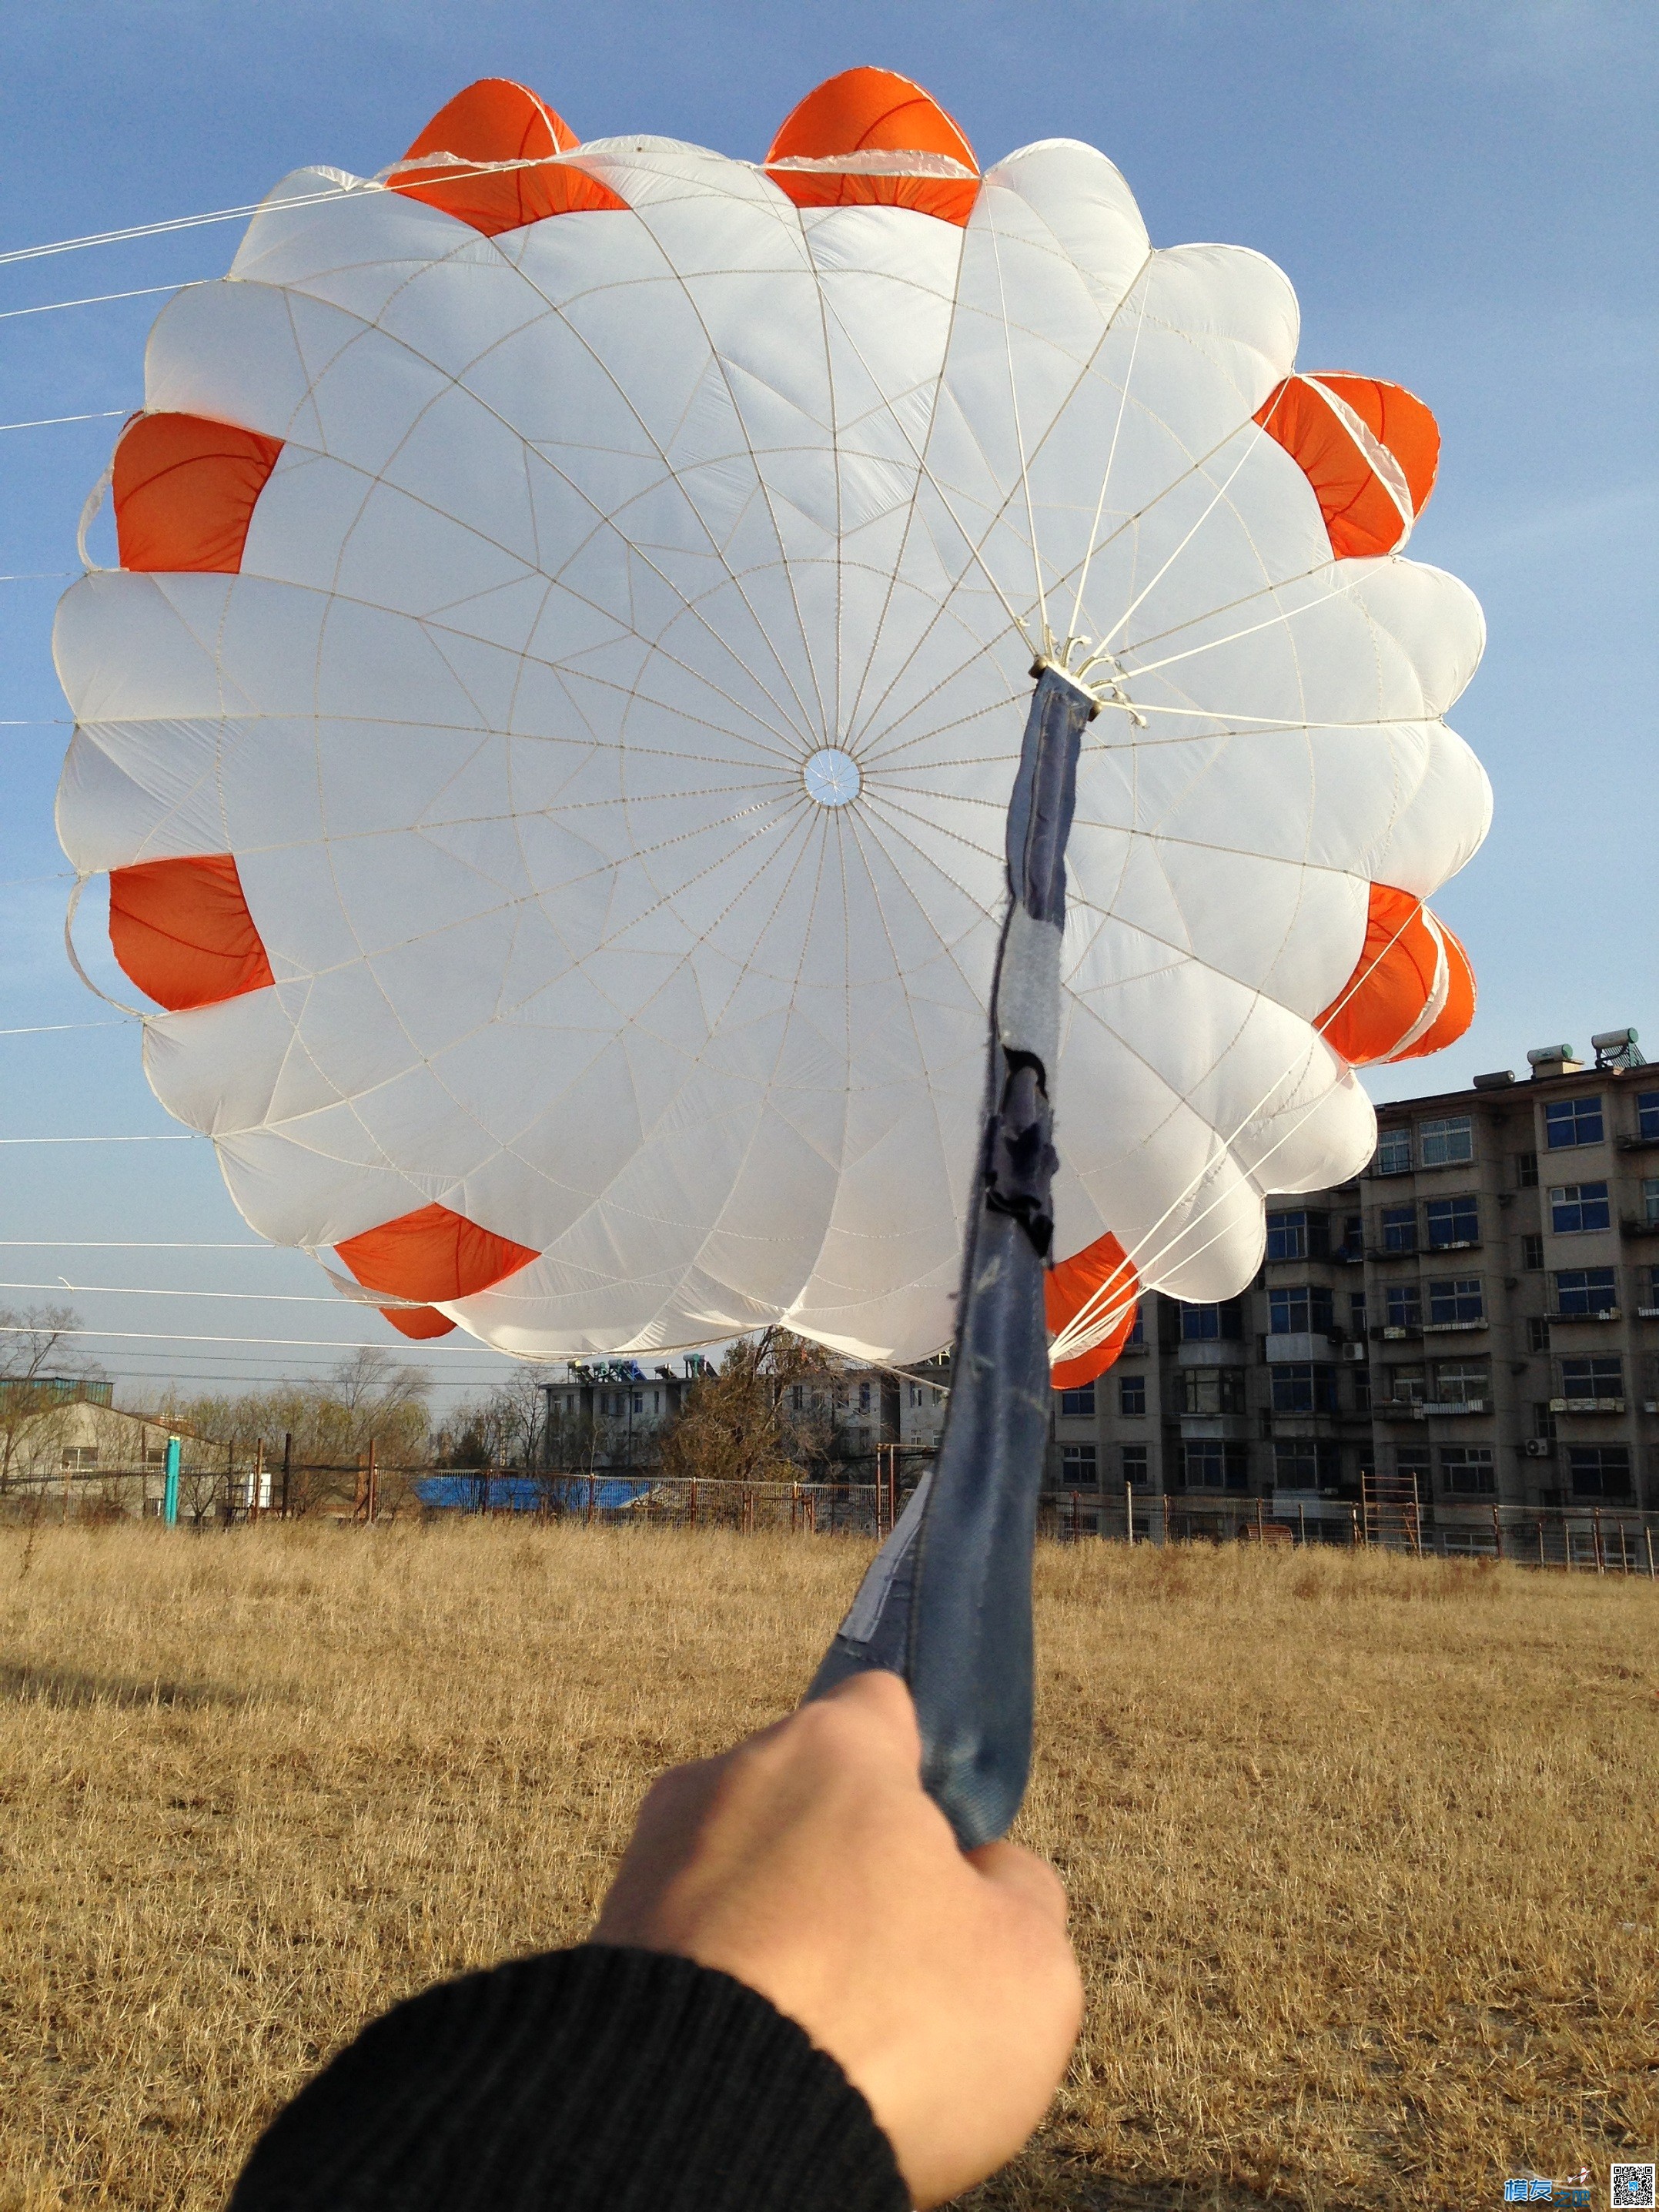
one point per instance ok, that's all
(1569, 1121)
(1460, 1382)
(1208, 1464)
(1647, 1113)
(1308, 1464)
(1446, 1142)
(1408, 1386)
(1303, 1386)
(1457, 1299)
(1132, 1396)
(1299, 1309)
(1466, 1470)
(1210, 1390)
(1585, 1290)
(1602, 1377)
(1400, 1229)
(1078, 1469)
(1212, 1324)
(1576, 1207)
(1526, 1170)
(1596, 1472)
(1394, 1151)
(1296, 1235)
(1405, 1306)
(1078, 1405)
(1454, 1221)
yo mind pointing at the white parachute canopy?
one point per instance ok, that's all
(551, 727)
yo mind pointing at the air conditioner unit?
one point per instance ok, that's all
(1536, 1448)
(1355, 1354)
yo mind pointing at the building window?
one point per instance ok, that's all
(1303, 1386)
(1411, 1464)
(1585, 1290)
(1647, 1113)
(1297, 1235)
(1572, 1121)
(1394, 1151)
(1538, 1333)
(1357, 1323)
(797, 1398)
(79, 1459)
(1078, 1405)
(1209, 1324)
(1578, 1206)
(1077, 1468)
(1308, 1464)
(1466, 1470)
(1136, 1339)
(1210, 1390)
(1134, 1463)
(864, 1397)
(1131, 1397)
(1649, 1294)
(1352, 1246)
(1299, 1309)
(1532, 1253)
(1208, 1464)
(1459, 1299)
(1407, 1386)
(1446, 1142)
(1599, 1471)
(1543, 1421)
(1404, 1307)
(1362, 1389)
(1526, 1170)
(1460, 1382)
(1650, 1201)
(1454, 1221)
(1602, 1377)
(1400, 1229)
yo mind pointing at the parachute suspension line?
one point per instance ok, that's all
(1144, 288)
(100, 299)
(1152, 582)
(1087, 1314)
(1019, 446)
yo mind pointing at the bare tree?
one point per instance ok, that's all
(39, 1352)
(767, 1415)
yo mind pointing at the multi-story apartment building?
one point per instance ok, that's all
(1474, 1322)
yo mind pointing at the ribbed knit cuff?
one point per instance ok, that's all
(596, 2079)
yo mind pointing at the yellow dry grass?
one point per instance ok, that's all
(1361, 1849)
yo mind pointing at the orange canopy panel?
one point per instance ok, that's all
(182, 932)
(1408, 960)
(185, 489)
(1362, 513)
(873, 110)
(418, 1321)
(1100, 1279)
(1398, 419)
(1455, 1016)
(496, 120)
(433, 1254)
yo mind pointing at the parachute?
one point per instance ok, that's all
(551, 732)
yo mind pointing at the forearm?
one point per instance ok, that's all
(595, 2080)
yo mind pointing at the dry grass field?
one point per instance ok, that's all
(1361, 1849)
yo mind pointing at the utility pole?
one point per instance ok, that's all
(287, 1465)
(170, 1484)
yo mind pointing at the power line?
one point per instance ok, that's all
(131, 1244)
(169, 1336)
(154, 1290)
(52, 1028)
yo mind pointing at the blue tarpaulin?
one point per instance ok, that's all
(528, 1493)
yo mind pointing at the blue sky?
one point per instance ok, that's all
(1464, 196)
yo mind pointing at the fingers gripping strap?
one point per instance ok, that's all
(947, 1601)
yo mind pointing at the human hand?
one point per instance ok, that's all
(808, 1863)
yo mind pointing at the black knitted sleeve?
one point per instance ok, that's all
(596, 2079)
